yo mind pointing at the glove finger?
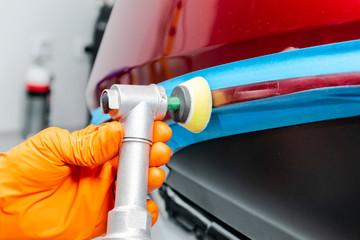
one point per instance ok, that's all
(156, 178)
(162, 132)
(114, 163)
(152, 208)
(96, 148)
(87, 130)
(160, 154)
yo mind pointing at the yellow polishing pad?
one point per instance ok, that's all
(201, 104)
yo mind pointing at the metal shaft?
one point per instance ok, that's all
(137, 109)
(129, 218)
(132, 174)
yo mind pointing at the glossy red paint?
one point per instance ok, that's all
(162, 39)
(255, 91)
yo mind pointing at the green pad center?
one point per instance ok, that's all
(173, 103)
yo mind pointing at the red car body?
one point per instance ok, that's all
(291, 182)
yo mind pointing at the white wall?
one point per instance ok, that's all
(70, 25)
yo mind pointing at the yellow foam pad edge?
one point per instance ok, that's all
(201, 104)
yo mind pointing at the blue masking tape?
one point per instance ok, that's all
(97, 117)
(297, 108)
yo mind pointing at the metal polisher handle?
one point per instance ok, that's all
(137, 107)
(130, 221)
(129, 218)
(132, 174)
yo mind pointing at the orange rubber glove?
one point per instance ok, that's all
(60, 185)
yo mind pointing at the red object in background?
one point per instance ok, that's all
(38, 88)
(37, 78)
(178, 37)
(37, 108)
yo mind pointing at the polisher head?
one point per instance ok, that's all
(195, 104)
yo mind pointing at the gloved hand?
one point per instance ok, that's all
(60, 185)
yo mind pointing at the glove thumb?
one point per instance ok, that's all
(96, 146)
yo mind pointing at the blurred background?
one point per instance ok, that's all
(46, 42)
(47, 49)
